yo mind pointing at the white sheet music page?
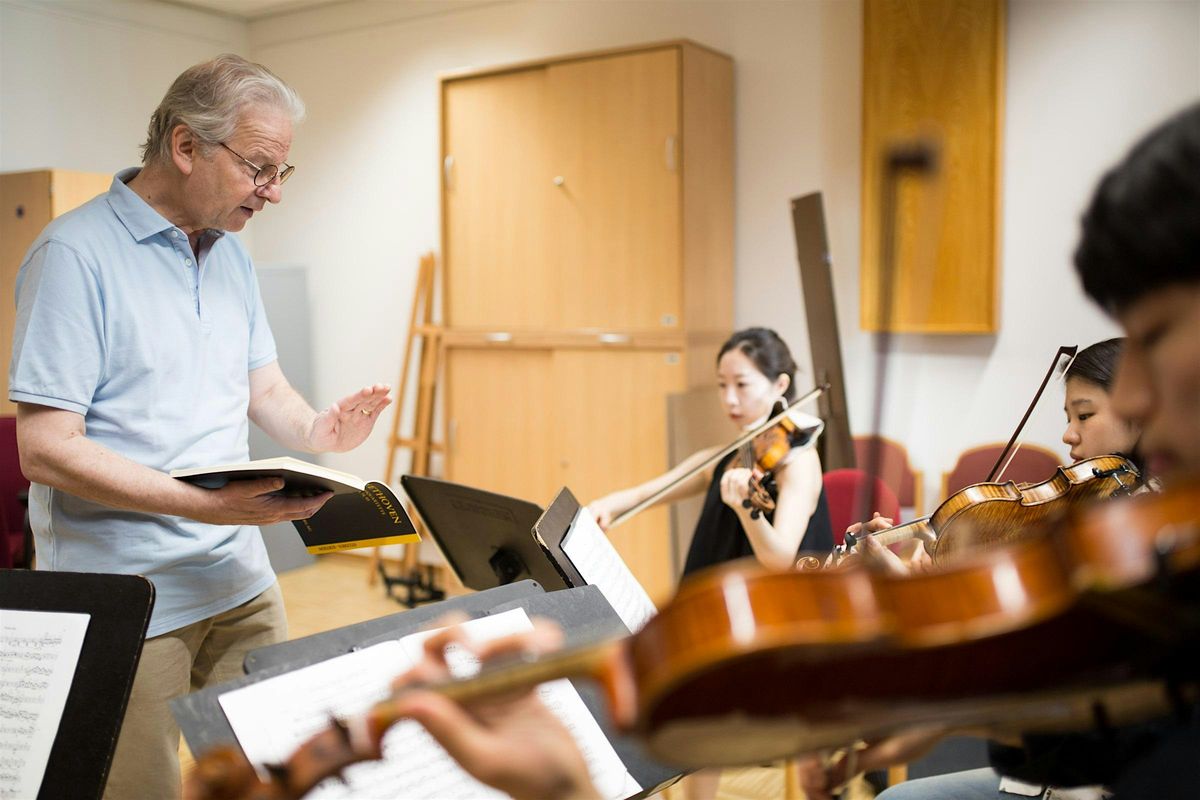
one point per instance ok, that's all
(601, 565)
(39, 651)
(274, 717)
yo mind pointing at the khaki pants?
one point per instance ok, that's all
(146, 764)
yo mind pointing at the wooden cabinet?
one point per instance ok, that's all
(28, 201)
(588, 247)
(587, 418)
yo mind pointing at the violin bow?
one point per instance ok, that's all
(1010, 450)
(715, 457)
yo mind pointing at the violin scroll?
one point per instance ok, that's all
(765, 454)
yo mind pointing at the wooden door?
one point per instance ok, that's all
(612, 434)
(613, 135)
(500, 421)
(496, 189)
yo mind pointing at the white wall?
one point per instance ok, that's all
(78, 80)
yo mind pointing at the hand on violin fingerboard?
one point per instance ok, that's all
(513, 742)
(735, 487)
(874, 525)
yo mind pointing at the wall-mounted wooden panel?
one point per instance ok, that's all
(935, 68)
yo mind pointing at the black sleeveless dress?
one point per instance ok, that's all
(719, 536)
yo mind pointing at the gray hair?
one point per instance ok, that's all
(209, 99)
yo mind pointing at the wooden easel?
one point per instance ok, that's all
(421, 325)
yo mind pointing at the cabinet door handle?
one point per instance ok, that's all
(672, 153)
(498, 336)
(613, 338)
(448, 171)
(559, 180)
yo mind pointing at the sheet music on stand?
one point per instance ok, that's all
(69, 648)
(583, 613)
(39, 651)
(572, 537)
(274, 717)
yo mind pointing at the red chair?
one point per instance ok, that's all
(12, 487)
(844, 490)
(895, 469)
(1031, 464)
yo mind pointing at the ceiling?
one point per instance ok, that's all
(250, 9)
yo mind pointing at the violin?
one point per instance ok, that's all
(769, 447)
(766, 453)
(989, 514)
(745, 665)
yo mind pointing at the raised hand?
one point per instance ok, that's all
(347, 423)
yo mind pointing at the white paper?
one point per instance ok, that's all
(39, 651)
(600, 565)
(274, 717)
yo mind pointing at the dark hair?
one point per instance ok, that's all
(1096, 364)
(1141, 231)
(769, 353)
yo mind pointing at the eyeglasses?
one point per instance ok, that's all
(268, 172)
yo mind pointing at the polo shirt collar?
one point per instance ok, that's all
(138, 217)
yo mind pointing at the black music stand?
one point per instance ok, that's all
(487, 538)
(551, 531)
(119, 606)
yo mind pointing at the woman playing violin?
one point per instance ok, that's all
(1093, 429)
(754, 370)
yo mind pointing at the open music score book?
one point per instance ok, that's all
(360, 513)
(39, 651)
(273, 717)
(599, 563)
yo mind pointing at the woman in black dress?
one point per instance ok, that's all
(754, 370)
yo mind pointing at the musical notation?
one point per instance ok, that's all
(273, 717)
(39, 651)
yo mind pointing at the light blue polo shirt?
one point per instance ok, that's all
(116, 322)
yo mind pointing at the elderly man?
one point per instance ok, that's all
(141, 346)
